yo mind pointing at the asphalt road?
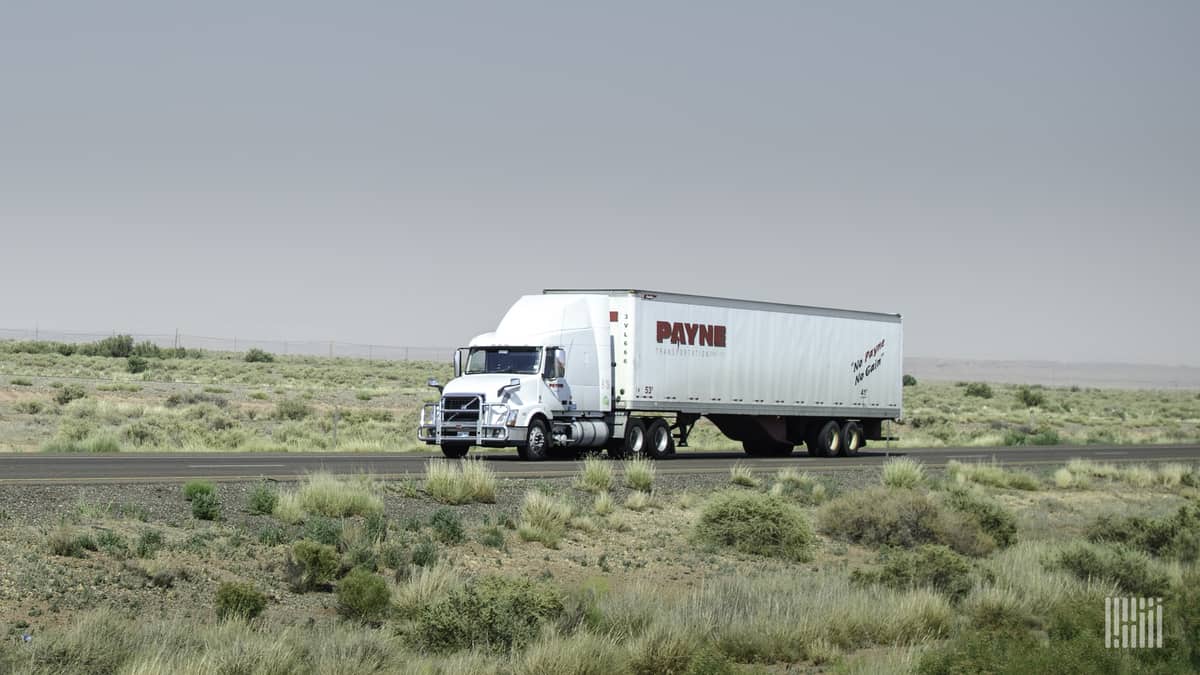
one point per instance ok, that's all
(138, 467)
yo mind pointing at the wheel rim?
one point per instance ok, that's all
(537, 440)
(637, 439)
(834, 441)
(852, 441)
(661, 439)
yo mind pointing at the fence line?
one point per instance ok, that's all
(238, 344)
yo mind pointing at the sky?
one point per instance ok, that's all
(1020, 180)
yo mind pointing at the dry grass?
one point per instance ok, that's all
(903, 472)
(639, 474)
(596, 475)
(544, 518)
(740, 474)
(460, 482)
(991, 474)
(604, 504)
(335, 497)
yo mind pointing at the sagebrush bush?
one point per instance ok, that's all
(206, 506)
(492, 613)
(311, 566)
(68, 393)
(639, 474)
(978, 389)
(909, 381)
(292, 409)
(262, 500)
(425, 553)
(149, 543)
(903, 472)
(447, 526)
(1030, 398)
(67, 543)
(930, 566)
(596, 475)
(758, 524)
(256, 355)
(197, 487)
(136, 364)
(1176, 536)
(543, 518)
(1133, 571)
(239, 600)
(363, 596)
(998, 522)
(879, 516)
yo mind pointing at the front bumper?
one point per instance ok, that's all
(435, 429)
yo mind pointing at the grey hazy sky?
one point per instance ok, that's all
(1019, 179)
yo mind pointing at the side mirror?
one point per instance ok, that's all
(432, 382)
(514, 383)
(458, 362)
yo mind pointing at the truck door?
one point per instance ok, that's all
(555, 375)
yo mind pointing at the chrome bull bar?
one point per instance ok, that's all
(435, 428)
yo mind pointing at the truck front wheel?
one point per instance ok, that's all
(537, 442)
(455, 450)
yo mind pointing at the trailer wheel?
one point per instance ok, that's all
(455, 450)
(537, 442)
(635, 438)
(826, 441)
(852, 438)
(660, 443)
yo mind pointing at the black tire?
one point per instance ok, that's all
(455, 450)
(852, 439)
(615, 449)
(537, 441)
(660, 444)
(826, 440)
(635, 438)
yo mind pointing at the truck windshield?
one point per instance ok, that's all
(503, 360)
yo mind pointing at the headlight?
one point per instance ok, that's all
(511, 418)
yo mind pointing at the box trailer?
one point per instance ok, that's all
(632, 372)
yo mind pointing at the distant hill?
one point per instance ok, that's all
(1053, 373)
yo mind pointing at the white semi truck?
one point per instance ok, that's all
(633, 371)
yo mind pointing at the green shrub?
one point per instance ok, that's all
(136, 364)
(262, 500)
(1131, 570)
(117, 347)
(111, 543)
(758, 524)
(20, 382)
(998, 522)
(978, 389)
(323, 530)
(492, 536)
(363, 596)
(198, 487)
(179, 399)
(64, 542)
(311, 566)
(272, 535)
(147, 349)
(256, 355)
(28, 407)
(375, 527)
(206, 506)
(447, 526)
(909, 381)
(1176, 536)
(148, 544)
(425, 553)
(292, 409)
(492, 613)
(1030, 398)
(929, 565)
(879, 516)
(236, 600)
(68, 393)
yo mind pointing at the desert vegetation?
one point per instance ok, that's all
(963, 570)
(117, 396)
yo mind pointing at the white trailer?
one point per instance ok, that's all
(633, 371)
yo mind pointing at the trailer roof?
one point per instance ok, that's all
(731, 302)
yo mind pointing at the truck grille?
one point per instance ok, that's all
(460, 409)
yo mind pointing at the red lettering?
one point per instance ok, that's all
(706, 335)
(718, 336)
(677, 336)
(664, 330)
(691, 332)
